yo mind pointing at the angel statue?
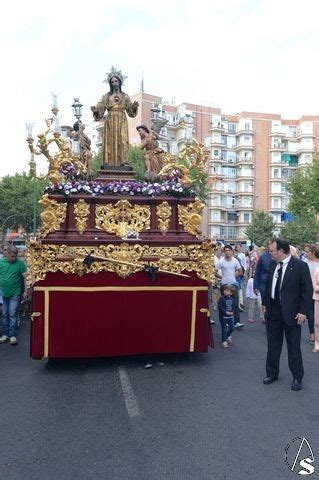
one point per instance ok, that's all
(84, 142)
(117, 104)
(153, 153)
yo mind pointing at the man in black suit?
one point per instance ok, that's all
(287, 300)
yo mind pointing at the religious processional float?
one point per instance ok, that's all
(118, 266)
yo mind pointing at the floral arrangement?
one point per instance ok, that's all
(68, 170)
(130, 187)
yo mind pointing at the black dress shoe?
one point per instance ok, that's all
(269, 380)
(296, 385)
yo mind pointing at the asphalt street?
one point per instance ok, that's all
(192, 416)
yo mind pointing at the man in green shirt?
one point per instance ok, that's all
(11, 270)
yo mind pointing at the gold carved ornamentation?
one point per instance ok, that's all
(61, 158)
(52, 215)
(122, 218)
(190, 217)
(191, 163)
(164, 212)
(81, 212)
(132, 258)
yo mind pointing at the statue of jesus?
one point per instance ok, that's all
(117, 104)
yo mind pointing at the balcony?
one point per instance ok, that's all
(241, 192)
(277, 194)
(310, 149)
(282, 163)
(302, 134)
(277, 133)
(245, 175)
(228, 206)
(218, 143)
(216, 127)
(245, 131)
(244, 207)
(217, 174)
(275, 209)
(244, 147)
(229, 161)
(279, 147)
(217, 158)
(245, 160)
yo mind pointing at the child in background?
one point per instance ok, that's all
(226, 306)
(253, 299)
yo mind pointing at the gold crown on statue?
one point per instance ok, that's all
(117, 73)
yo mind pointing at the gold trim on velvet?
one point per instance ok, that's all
(118, 289)
(193, 322)
(46, 323)
(125, 259)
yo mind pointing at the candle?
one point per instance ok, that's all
(56, 124)
(29, 127)
(54, 101)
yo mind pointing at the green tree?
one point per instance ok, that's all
(136, 160)
(304, 191)
(261, 229)
(304, 205)
(96, 164)
(19, 195)
(301, 230)
(299, 203)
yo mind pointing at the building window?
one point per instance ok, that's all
(232, 232)
(232, 217)
(292, 131)
(246, 217)
(215, 200)
(247, 186)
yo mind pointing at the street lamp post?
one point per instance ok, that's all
(77, 109)
(34, 207)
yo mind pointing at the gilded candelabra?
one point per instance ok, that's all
(63, 158)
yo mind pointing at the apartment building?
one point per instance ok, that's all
(252, 157)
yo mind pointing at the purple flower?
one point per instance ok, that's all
(167, 187)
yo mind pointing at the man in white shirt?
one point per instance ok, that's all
(230, 269)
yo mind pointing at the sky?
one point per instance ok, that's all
(253, 55)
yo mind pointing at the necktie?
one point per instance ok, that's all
(278, 283)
